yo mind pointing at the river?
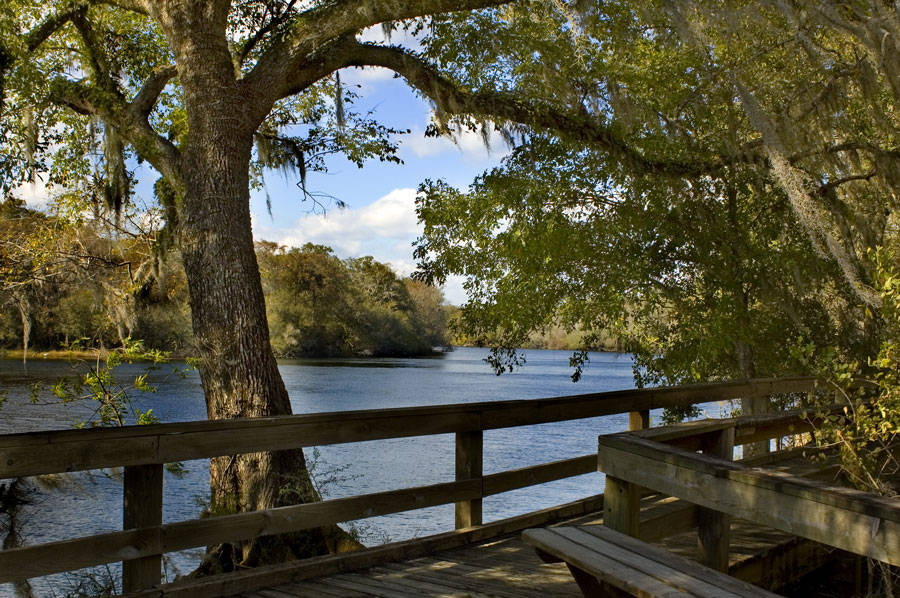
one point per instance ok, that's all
(92, 503)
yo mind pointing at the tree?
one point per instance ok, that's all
(727, 207)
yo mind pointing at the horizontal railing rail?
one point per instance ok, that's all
(142, 451)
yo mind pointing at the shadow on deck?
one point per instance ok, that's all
(505, 567)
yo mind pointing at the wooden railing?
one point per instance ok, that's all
(143, 450)
(635, 463)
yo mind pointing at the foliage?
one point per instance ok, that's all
(113, 404)
(99, 286)
(719, 214)
(70, 279)
(319, 305)
(866, 434)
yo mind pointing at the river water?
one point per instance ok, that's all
(91, 503)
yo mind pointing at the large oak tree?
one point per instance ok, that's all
(205, 91)
(749, 168)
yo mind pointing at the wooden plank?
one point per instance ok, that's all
(339, 430)
(796, 505)
(601, 565)
(813, 490)
(756, 406)
(143, 507)
(622, 506)
(783, 563)
(24, 460)
(454, 581)
(384, 590)
(55, 557)
(685, 574)
(469, 465)
(639, 420)
(67, 555)
(682, 518)
(539, 474)
(314, 589)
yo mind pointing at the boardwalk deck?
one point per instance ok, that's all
(506, 567)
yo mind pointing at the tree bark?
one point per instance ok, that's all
(237, 367)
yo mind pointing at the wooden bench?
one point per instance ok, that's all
(607, 563)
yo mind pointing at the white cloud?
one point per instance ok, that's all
(354, 232)
(366, 74)
(36, 195)
(454, 293)
(470, 144)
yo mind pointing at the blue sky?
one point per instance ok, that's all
(380, 218)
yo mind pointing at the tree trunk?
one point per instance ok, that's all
(237, 367)
(25, 314)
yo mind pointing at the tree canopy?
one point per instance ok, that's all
(746, 170)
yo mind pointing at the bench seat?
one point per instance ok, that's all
(605, 562)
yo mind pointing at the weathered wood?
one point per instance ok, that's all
(714, 527)
(469, 465)
(682, 518)
(51, 452)
(639, 420)
(755, 406)
(848, 519)
(804, 487)
(622, 506)
(783, 563)
(40, 453)
(513, 479)
(55, 557)
(252, 579)
(689, 435)
(142, 508)
(636, 567)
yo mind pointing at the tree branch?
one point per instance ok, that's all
(131, 123)
(97, 58)
(33, 39)
(273, 24)
(317, 26)
(143, 103)
(831, 185)
(453, 99)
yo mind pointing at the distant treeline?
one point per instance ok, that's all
(321, 305)
(95, 283)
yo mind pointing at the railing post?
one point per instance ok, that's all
(714, 527)
(142, 508)
(755, 406)
(639, 420)
(469, 465)
(622, 506)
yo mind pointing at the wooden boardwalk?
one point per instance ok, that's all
(506, 567)
(501, 568)
(473, 559)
